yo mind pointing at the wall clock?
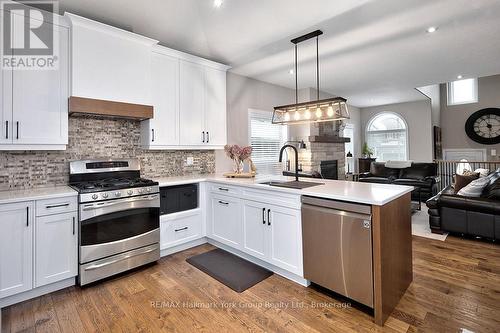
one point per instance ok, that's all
(483, 126)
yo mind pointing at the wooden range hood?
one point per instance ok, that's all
(99, 107)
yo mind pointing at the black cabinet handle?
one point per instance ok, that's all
(57, 206)
(263, 216)
(208, 137)
(203, 136)
(223, 203)
(27, 216)
(181, 229)
(223, 189)
(152, 135)
(17, 130)
(268, 217)
(6, 129)
(73, 225)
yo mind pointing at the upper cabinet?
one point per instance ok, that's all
(109, 63)
(34, 101)
(189, 99)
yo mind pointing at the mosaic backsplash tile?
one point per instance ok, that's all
(91, 138)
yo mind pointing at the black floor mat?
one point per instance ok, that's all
(233, 271)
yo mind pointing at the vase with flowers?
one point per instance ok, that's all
(239, 155)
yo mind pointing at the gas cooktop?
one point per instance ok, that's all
(111, 184)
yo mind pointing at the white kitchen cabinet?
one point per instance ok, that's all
(35, 102)
(16, 248)
(192, 104)
(109, 63)
(225, 220)
(255, 229)
(56, 248)
(215, 106)
(285, 238)
(163, 129)
(180, 228)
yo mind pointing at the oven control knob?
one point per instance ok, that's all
(148, 189)
(118, 194)
(130, 192)
(104, 195)
(140, 190)
(94, 196)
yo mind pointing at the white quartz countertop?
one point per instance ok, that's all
(367, 193)
(38, 193)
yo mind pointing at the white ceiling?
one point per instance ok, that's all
(372, 52)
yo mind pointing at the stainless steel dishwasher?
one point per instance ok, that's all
(337, 246)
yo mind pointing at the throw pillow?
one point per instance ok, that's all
(470, 173)
(482, 172)
(475, 188)
(462, 181)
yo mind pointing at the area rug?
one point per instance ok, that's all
(420, 226)
(233, 271)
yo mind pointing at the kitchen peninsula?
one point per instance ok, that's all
(231, 212)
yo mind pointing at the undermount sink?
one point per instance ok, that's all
(291, 184)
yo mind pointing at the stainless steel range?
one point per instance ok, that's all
(119, 217)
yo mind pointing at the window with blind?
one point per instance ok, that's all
(266, 140)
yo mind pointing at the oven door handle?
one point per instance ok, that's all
(114, 261)
(108, 204)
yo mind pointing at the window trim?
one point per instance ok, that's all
(372, 118)
(449, 93)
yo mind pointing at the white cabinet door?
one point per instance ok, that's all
(16, 239)
(40, 99)
(163, 129)
(192, 92)
(255, 229)
(215, 106)
(285, 238)
(5, 106)
(225, 220)
(56, 250)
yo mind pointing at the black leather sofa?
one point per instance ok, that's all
(480, 216)
(422, 175)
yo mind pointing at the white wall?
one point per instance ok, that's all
(418, 116)
(244, 93)
(355, 120)
(434, 94)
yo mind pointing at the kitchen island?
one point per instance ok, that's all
(236, 215)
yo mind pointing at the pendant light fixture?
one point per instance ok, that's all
(330, 109)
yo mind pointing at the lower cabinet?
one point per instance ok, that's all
(274, 234)
(37, 250)
(225, 220)
(16, 248)
(180, 228)
(56, 248)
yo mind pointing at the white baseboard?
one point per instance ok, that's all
(290, 276)
(182, 247)
(37, 292)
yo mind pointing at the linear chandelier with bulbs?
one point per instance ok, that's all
(331, 109)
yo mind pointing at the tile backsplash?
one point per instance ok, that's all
(91, 138)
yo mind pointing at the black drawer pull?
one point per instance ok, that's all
(223, 189)
(7, 129)
(268, 217)
(57, 206)
(223, 202)
(27, 216)
(181, 229)
(263, 216)
(17, 130)
(73, 225)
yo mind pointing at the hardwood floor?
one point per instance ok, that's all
(456, 286)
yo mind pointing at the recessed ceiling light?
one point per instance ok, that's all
(431, 29)
(460, 77)
(218, 3)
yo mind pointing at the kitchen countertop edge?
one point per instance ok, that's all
(37, 193)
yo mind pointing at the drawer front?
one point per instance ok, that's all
(56, 206)
(224, 189)
(182, 229)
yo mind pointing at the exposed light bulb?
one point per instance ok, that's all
(319, 113)
(218, 3)
(287, 116)
(431, 29)
(297, 115)
(307, 114)
(290, 72)
(330, 111)
(460, 77)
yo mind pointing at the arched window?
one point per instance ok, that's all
(387, 136)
